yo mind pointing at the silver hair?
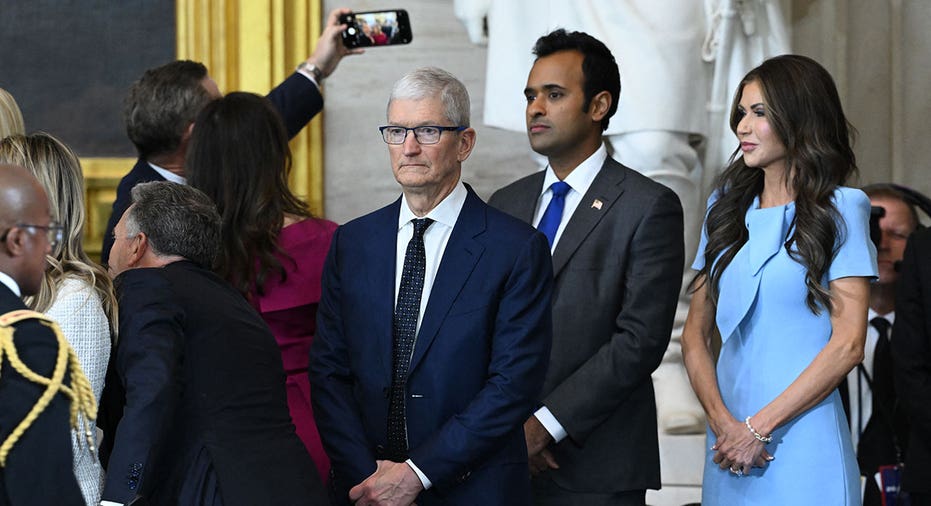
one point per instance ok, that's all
(432, 82)
(177, 219)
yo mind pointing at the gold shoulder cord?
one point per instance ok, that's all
(82, 397)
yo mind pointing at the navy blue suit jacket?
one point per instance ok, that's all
(478, 362)
(296, 98)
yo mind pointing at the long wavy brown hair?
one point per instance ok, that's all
(239, 157)
(59, 171)
(804, 110)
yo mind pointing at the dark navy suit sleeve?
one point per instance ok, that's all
(338, 417)
(298, 100)
(39, 467)
(147, 363)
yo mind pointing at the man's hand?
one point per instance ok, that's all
(392, 484)
(537, 436)
(330, 49)
(543, 461)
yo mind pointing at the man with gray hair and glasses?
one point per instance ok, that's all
(433, 330)
(194, 407)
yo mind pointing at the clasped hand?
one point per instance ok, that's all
(539, 457)
(392, 484)
(737, 449)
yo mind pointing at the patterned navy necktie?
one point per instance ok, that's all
(552, 216)
(405, 330)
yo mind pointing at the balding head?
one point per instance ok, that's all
(24, 220)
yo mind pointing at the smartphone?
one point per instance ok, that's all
(376, 28)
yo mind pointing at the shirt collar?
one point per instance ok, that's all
(582, 176)
(870, 314)
(446, 212)
(167, 174)
(10, 283)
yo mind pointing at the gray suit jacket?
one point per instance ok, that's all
(618, 268)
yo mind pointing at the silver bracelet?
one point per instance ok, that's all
(757, 435)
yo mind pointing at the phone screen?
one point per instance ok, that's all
(376, 28)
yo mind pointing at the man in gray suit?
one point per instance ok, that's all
(616, 238)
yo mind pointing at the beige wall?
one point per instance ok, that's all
(878, 50)
(358, 175)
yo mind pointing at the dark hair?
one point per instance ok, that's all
(599, 69)
(239, 156)
(804, 111)
(177, 219)
(162, 104)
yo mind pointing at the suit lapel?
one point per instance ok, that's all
(380, 272)
(459, 260)
(595, 204)
(524, 204)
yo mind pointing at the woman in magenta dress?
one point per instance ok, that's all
(273, 249)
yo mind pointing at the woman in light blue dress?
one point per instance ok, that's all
(784, 267)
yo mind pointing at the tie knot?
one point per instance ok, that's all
(560, 189)
(420, 226)
(882, 325)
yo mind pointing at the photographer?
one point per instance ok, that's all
(876, 422)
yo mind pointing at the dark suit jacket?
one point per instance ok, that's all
(197, 391)
(297, 100)
(39, 467)
(911, 354)
(618, 270)
(478, 362)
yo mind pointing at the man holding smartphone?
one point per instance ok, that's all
(161, 108)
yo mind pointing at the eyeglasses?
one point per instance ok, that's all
(427, 134)
(54, 231)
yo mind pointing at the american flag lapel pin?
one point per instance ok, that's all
(597, 204)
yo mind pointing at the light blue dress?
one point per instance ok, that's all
(769, 336)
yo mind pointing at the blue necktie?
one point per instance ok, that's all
(549, 223)
(405, 330)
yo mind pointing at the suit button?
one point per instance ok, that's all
(464, 477)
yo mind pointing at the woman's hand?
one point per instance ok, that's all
(737, 449)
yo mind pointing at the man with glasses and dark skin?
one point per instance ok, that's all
(433, 329)
(38, 467)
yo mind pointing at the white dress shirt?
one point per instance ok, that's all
(579, 180)
(861, 395)
(167, 174)
(435, 239)
(10, 283)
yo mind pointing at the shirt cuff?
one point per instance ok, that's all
(308, 75)
(549, 422)
(423, 478)
(110, 503)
